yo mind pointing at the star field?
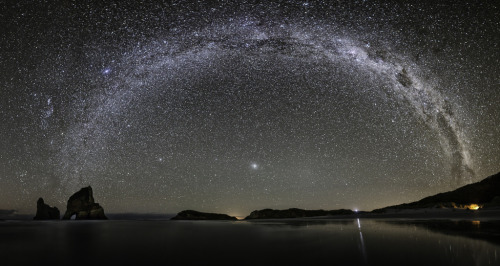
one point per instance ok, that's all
(235, 106)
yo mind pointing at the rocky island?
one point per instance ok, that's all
(45, 212)
(195, 215)
(82, 205)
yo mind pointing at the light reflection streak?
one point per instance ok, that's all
(363, 248)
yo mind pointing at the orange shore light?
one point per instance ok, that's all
(473, 207)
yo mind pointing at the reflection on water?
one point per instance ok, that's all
(297, 242)
(486, 230)
(363, 249)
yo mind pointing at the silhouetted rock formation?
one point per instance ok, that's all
(293, 213)
(83, 206)
(194, 215)
(45, 212)
(485, 192)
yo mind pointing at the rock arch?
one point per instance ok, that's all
(82, 205)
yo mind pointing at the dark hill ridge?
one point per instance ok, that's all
(195, 215)
(485, 192)
(294, 213)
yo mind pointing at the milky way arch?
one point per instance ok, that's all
(137, 74)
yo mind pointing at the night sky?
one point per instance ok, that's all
(235, 106)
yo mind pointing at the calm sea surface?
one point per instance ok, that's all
(304, 242)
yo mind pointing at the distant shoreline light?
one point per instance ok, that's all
(473, 207)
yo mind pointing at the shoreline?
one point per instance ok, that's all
(492, 214)
(484, 214)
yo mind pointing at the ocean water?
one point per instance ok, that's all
(290, 242)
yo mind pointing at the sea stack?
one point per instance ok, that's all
(45, 212)
(82, 205)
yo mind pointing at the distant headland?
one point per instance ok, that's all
(195, 215)
(482, 194)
